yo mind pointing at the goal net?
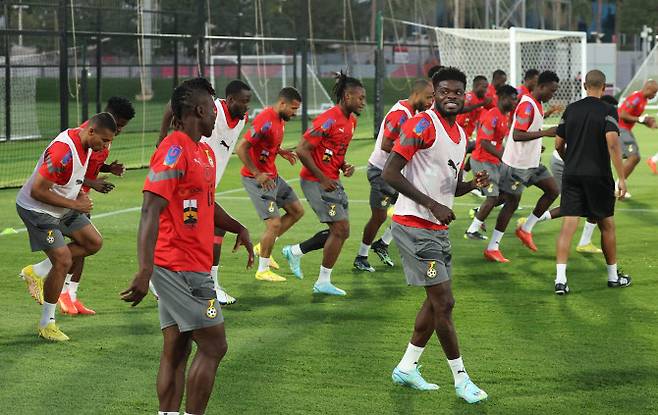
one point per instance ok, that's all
(266, 75)
(648, 70)
(23, 98)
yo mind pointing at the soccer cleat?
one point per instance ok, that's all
(66, 305)
(526, 238)
(476, 236)
(327, 288)
(269, 276)
(495, 255)
(34, 283)
(472, 212)
(590, 248)
(412, 379)
(294, 261)
(623, 280)
(561, 289)
(652, 165)
(53, 333)
(361, 263)
(468, 391)
(273, 263)
(224, 298)
(82, 309)
(479, 193)
(381, 249)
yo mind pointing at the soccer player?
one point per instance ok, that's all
(530, 79)
(474, 105)
(498, 79)
(52, 197)
(431, 151)
(69, 303)
(322, 153)
(432, 70)
(383, 196)
(587, 138)
(267, 190)
(231, 119)
(522, 165)
(631, 111)
(175, 249)
(492, 131)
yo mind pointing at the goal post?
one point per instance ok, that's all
(648, 70)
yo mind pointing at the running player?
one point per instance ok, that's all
(587, 138)
(431, 151)
(498, 79)
(631, 111)
(267, 190)
(322, 152)
(474, 105)
(69, 303)
(52, 197)
(493, 129)
(522, 165)
(530, 79)
(383, 196)
(175, 249)
(231, 119)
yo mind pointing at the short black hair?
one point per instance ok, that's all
(104, 120)
(342, 83)
(235, 87)
(530, 73)
(434, 69)
(547, 77)
(184, 97)
(449, 73)
(609, 99)
(479, 78)
(497, 73)
(120, 107)
(506, 91)
(290, 94)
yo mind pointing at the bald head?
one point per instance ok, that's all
(422, 95)
(650, 88)
(595, 79)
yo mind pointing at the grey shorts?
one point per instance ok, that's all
(382, 195)
(426, 254)
(557, 168)
(629, 145)
(47, 232)
(328, 206)
(186, 299)
(494, 175)
(268, 202)
(514, 181)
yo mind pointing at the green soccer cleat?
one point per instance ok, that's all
(468, 391)
(328, 289)
(294, 261)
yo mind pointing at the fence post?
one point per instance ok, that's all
(294, 67)
(175, 77)
(7, 77)
(99, 58)
(380, 69)
(201, 41)
(84, 91)
(305, 96)
(63, 68)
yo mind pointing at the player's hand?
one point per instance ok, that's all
(328, 185)
(650, 122)
(348, 169)
(138, 289)
(243, 239)
(265, 181)
(444, 214)
(551, 132)
(83, 203)
(481, 179)
(621, 189)
(116, 168)
(101, 185)
(555, 108)
(291, 156)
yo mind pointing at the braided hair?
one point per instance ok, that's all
(185, 96)
(342, 83)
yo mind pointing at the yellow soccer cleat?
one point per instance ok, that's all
(52, 333)
(269, 276)
(273, 263)
(34, 283)
(590, 248)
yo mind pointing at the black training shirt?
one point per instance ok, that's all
(583, 126)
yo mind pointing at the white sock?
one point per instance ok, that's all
(655, 158)
(612, 272)
(296, 250)
(67, 281)
(215, 279)
(263, 264)
(494, 242)
(187, 413)
(586, 237)
(42, 268)
(325, 275)
(363, 249)
(47, 314)
(458, 370)
(530, 223)
(387, 237)
(73, 290)
(475, 225)
(410, 358)
(561, 273)
(168, 413)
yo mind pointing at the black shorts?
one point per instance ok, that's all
(588, 196)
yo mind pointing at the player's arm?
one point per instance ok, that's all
(225, 221)
(614, 148)
(305, 153)
(490, 148)
(41, 191)
(520, 135)
(471, 107)
(261, 177)
(480, 180)
(116, 168)
(99, 185)
(147, 236)
(167, 117)
(392, 129)
(560, 133)
(486, 133)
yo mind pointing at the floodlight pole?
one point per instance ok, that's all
(304, 28)
(380, 69)
(63, 67)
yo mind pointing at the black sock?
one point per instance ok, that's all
(315, 242)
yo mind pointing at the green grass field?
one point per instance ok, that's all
(592, 352)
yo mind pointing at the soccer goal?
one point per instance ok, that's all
(266, 75)
(648, 70)
(23, 95)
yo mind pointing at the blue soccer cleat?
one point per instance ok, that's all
(327, 288)
(468, 391)
(294, 261)
(412, 379)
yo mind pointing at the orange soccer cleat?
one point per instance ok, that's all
(652, 165)
(66, 304)
(526, 238)
(495, 255)
(82, 309)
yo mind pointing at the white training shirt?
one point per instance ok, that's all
(379, 156)
(524, 154)
(223, 139)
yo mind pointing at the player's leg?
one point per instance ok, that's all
(630, 153)
(171, 373)
(585, 245)
(211, 348)
(377, 218)
(294, 253)
(61, 260)
(294, 212)
(339, 231)
(616, 278)
(511, 203)
(569, 227)
(272, 229)
(474, 230)
(544, 181)
(222, 296)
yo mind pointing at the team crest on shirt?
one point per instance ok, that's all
(431, 270)
(271, 207)
(211, 311)
(190, 213)
(421, 126)
(173, 154)
(516, 184)
(327, 124)
(328, 155)
(212, 163)
(50, 238)
(385, 201)
(332, 210)
(264, 155)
